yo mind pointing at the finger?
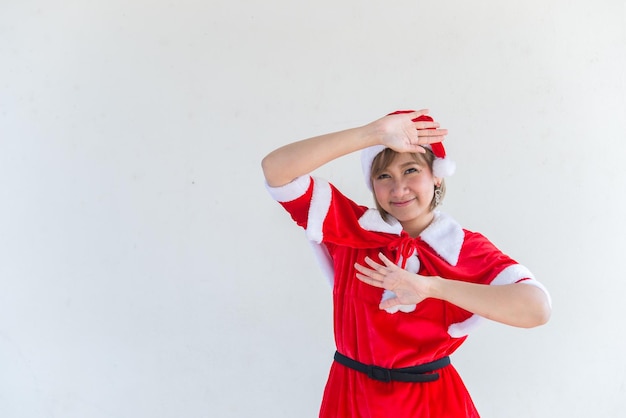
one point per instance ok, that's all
(372, 274)
(389, 303)
(385, 260)
(419, 113)
(431, 132)
(373, 264)
(422, 125)
(423, 140)
(362, 269)
(368, 280)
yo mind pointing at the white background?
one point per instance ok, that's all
(144, 270)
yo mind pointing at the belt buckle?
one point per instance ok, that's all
(379, 373)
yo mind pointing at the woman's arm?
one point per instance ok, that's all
(518, 304)
(399, 132)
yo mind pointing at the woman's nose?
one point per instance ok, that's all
(399, 187)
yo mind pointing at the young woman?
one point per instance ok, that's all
(408, 282)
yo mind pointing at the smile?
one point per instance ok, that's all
(403, 203)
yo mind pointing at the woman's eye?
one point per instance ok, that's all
(411, 170)
(382, 176)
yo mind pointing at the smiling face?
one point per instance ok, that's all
(404, 188)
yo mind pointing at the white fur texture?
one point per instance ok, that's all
(290, 191)
(443, 167)
(320, 203)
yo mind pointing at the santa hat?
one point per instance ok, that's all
(442, 166)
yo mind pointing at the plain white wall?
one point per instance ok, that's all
(145, 272)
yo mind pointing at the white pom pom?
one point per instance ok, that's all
(443, 167)
(388, 294)
(392, 310)
(407, 308)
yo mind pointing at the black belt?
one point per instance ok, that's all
(421, 373)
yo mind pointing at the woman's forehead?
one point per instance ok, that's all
(405, 158)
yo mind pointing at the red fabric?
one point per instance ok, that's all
(372, 336)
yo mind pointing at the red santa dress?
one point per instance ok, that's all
(343, 233)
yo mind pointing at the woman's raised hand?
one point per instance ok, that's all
(400, 133)
(409, 288)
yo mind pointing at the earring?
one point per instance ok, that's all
(437, 195)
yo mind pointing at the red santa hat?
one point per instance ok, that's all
(442, 166)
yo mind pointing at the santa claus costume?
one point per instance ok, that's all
(394, 363)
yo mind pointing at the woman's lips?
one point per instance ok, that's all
(402, 203)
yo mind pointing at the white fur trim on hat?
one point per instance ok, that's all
(443, 167)
(367, 158)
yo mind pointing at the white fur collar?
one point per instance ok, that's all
(372, 221)
(444, 234)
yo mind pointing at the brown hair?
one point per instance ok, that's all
(385, 158)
